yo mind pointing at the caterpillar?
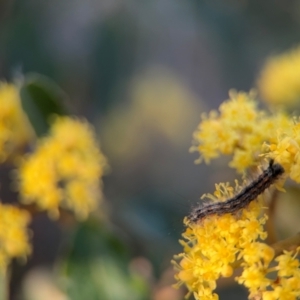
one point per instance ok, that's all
(243, 198)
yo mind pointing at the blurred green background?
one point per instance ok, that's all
(141, 72)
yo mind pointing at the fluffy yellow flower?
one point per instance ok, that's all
(224, 132)
(15, 130)
(14, 237)
(214, 246)
(239, 129)
(288, 264)
(65, 169)
(279, 82)
(286, 149)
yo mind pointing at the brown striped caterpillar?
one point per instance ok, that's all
(243, 198)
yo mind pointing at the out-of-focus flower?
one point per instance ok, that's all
(279, 82)
(39, 283)
(15, 130)
(160, 106)
(65, 169)
(14, 236)
(239, 129)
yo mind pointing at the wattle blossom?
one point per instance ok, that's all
(65, 170)
(217, 244)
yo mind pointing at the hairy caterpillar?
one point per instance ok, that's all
(243, 198)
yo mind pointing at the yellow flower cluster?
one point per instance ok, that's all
(286, 149)
(212, 246)
(65, 169)
(215, 245)
(257, 273)
(14, 237)
(239, 129)
(15, 130)
(279, 82)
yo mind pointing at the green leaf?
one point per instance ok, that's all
(41, 98)
(97, 266)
